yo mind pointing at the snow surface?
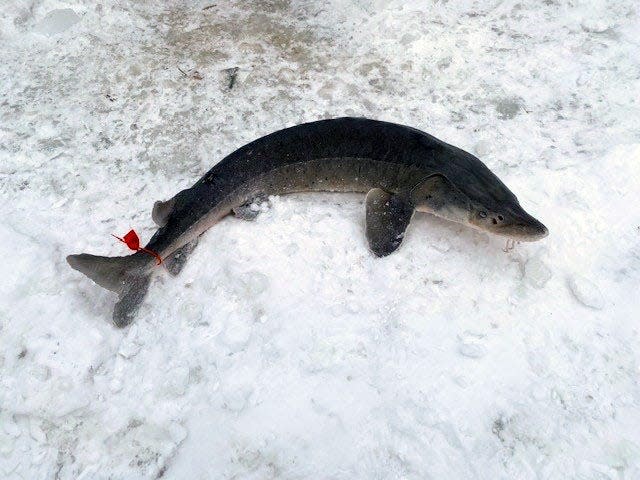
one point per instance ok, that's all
(285, 350)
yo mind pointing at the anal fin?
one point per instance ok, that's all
(387, 217)
(178, 259)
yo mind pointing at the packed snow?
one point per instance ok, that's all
(284, 349)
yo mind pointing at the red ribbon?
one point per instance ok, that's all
(133, 242)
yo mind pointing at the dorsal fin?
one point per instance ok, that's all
(161, 211)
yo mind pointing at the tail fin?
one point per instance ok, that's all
(129, 277)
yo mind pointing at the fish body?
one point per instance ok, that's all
(401, 169)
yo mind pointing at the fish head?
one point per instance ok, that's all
(481, 202)
(493, 207)
(508, 220)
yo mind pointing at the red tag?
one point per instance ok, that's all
(133, 242)
(131, 239)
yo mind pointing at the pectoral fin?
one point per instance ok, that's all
(388, 216)
(437, 195)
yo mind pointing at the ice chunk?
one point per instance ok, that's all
(35, 430)
(254, 283)
(409, 38)
(508, 108)
(39, 372)
(130, 345)
(178, 380)
(461, 380)
(9, 426)
(236, 393)
(116, 383)
(57, 21)
(472, 350)
(558, 160)
(6, 444)
(588, 139)
(537, 273)
(236, 336)
(586, 292)
(596, 25)
(191, 312)
(291, 249)
(178, 432)
(482, 148)
(471, 345)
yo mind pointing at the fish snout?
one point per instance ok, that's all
(526, 228)
(534, 230)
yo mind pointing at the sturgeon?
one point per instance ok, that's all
(401, 170)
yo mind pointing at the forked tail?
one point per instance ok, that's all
(128, 276)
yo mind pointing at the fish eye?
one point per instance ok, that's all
(500, 217)
(482, 214)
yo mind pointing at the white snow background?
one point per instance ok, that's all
(284, 349)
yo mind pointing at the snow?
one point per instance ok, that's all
(57, 21)
(537, 272)
(284, 349)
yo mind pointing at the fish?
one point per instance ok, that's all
(400, 169)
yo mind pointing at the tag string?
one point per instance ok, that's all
(131, 240)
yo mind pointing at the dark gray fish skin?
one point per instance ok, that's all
(343, 154)
(401, 168)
